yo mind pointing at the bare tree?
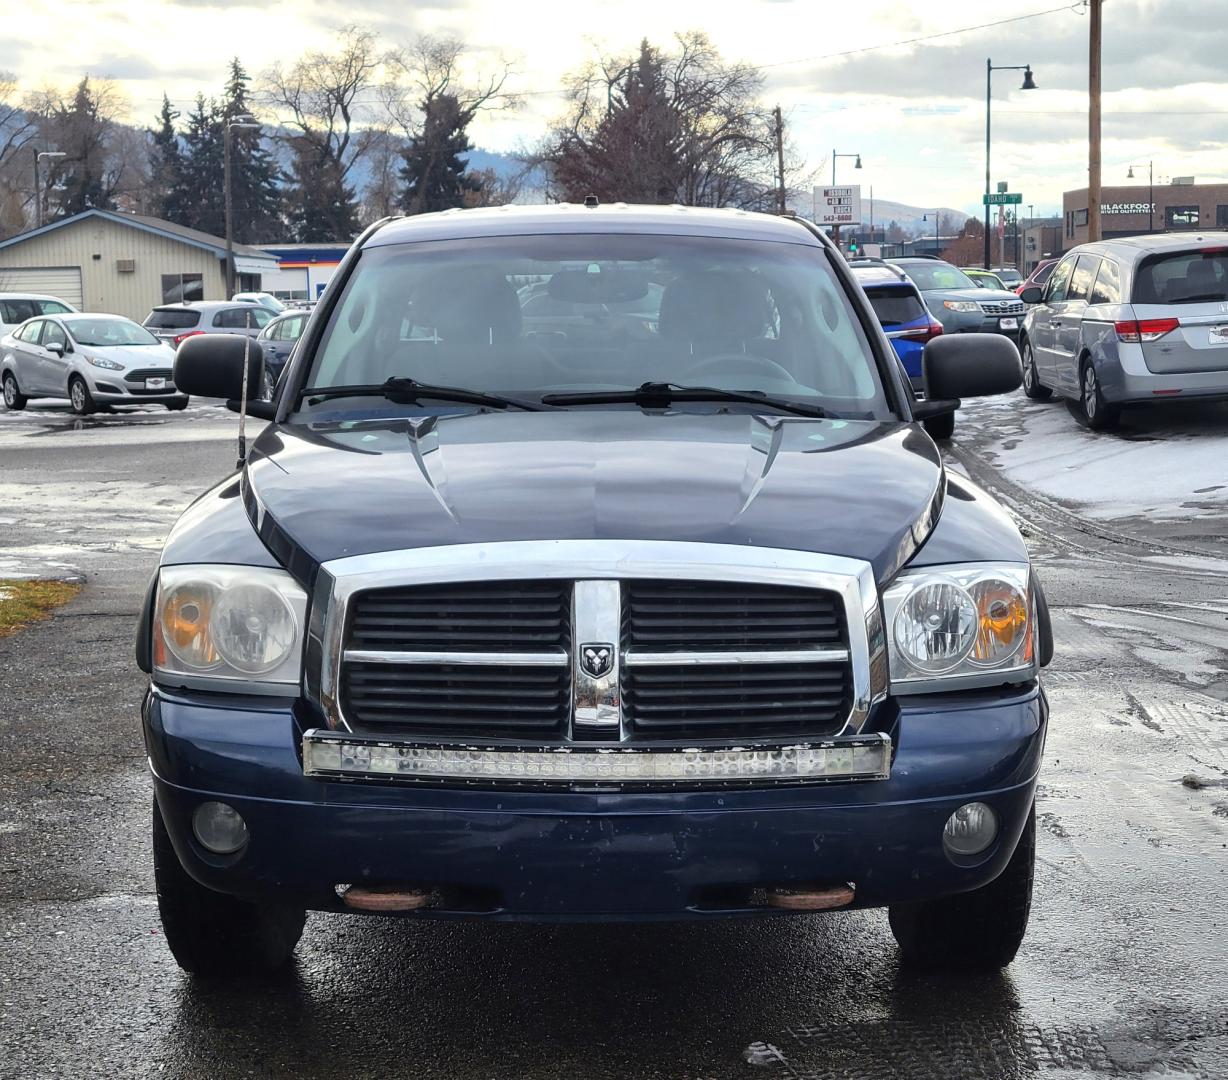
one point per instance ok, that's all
(17, 129)
(682, 126)
(319, 98)
(379, 197)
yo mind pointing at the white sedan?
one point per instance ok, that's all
(92, 360)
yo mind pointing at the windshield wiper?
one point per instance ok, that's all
(659, 395)
(405, 391)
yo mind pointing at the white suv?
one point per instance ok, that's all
(173, 323)
(15, 308)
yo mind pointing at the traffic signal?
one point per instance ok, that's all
(854, 247)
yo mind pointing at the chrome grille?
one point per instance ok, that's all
(1003, 307)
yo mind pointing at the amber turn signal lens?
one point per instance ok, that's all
(1004, 628)
(185, 625)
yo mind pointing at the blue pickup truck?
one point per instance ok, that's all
(654, 601)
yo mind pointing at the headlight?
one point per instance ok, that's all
(103, 362)
(967, 306)
(228, 628)
(960, 626)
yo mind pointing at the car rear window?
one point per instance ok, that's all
(895, 306)
(172, 318)
(1183, 277)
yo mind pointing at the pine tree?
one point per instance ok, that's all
(82, 132)
(254, 175)
(435, 172)
(166, 164)
(318, 203)
(197, 199)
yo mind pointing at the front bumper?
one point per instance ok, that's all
(562, 855)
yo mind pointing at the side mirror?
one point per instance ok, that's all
(55, 347)
(211, 365)
(1033, 294)
(970, 365)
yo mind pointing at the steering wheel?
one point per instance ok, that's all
(737, 364)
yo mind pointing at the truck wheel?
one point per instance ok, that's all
(1091, 410)
(1031, 384)
(177, 406)
(940, 428)
(14, 399)
(212, 934)
(79, 396)
(973, 931)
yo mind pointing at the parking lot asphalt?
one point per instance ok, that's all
(1124, 972)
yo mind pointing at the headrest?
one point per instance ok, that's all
(467, 306)
(714, 305)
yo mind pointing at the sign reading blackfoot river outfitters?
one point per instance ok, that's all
(1002, 198)
(837, 205)
(1127, 208)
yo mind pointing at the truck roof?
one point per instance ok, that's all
(607, 218)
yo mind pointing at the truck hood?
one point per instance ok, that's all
(865, 490)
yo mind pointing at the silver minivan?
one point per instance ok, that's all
(1127, 321)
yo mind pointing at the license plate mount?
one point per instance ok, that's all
(156, 383)
(1218, 335)
(1011, 323)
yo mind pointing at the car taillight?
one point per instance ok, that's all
(1140, 330)
(178, 339)
(924, 335)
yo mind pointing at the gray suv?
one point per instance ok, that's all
(958, 303)
(1122, 321)
(173, 323)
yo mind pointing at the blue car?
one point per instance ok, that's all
(902, 312)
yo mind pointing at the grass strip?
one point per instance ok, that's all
(25, 601)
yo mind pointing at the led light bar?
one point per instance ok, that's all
(330, 753)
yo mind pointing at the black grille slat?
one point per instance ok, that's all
(495, 616)
(681, 616)
(457, 698)
(740, 700)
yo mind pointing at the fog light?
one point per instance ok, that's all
(971, 829)
(219, 828)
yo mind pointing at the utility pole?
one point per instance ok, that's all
(780, 159)
(1093, 124)
(242, 122)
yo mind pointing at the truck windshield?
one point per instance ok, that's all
(527, 316)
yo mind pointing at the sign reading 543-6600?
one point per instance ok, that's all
(838, 205)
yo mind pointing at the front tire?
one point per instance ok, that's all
(79, 397)
(177, 406)
(212, 934)
(1091, 410)
(1031, 382)
(14, 399)
(973, 931)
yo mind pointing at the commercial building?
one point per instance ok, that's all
(303, 269)
(1136, 209)
(125, 264)
(1042, 239)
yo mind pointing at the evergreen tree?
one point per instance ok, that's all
(166, 164)
(197, 200)
(82, 132)
(254, 176)
(435, 172)
(318, 203)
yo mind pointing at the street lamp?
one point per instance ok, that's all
(242, 122)
(835, 229)
(1151, 197)
(1028, 84)
(38, 183)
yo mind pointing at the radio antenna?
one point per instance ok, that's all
(247, 353)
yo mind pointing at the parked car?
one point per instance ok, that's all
(1143, 319)
(1009, 276)
(690, 628)
(15, 308)
(1039, 275)
(909, 326)
(956, 301)
(264, 299)
(984, 279)
(277, 341)
(175, 323)
(90, 359)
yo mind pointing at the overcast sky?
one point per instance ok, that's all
(916, 113)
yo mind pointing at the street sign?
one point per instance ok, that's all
(1002, 198)
(837, 205)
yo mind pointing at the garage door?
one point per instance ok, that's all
(60, 281)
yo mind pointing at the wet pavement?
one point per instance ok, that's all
(1124, 972)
